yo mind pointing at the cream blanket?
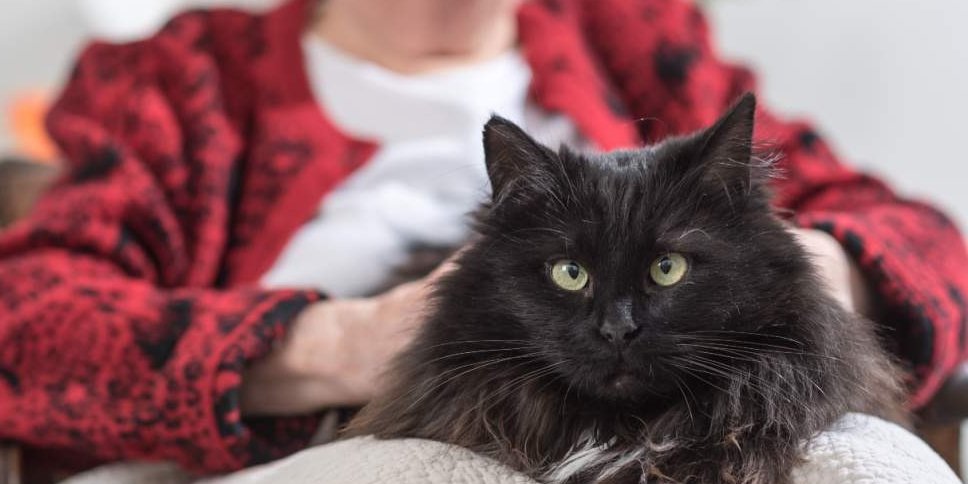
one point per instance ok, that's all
(858, 450)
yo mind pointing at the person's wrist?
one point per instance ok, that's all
(862, 293)
(312, 338)
(856, 291)
(312, 367)
(831, 262)
(324, 338)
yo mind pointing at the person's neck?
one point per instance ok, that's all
(417, 45)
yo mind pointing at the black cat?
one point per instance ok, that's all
(631, 317)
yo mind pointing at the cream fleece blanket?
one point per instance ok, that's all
(857, 450)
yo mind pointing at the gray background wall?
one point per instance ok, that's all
(37, 40)
(886, 80)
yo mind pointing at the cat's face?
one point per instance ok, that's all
(633, 272)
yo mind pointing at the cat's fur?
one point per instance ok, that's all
(729, 372)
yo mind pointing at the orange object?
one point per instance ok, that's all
(26, 116)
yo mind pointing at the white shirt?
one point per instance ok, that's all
(427, 175)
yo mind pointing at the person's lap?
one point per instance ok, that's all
(858, 449)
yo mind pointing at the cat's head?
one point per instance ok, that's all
(612, 267)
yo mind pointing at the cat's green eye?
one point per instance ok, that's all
(569, 275)
(668, 269)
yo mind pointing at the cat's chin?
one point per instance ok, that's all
(624, 387)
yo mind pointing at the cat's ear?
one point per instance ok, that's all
(512, 156)
(727, 147)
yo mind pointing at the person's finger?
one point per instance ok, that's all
(831, 263)
(447, 266)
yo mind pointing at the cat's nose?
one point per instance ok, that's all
(618, 323)
(619, 332)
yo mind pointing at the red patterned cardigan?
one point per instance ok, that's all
(127, 301)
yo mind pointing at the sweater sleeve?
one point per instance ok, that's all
(659, 57)
(115, 340)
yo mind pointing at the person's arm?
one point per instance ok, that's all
(660, 59)
(112, 342)
(336, 351)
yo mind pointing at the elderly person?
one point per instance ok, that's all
(200, 285)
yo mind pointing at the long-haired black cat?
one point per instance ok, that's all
(634, 317)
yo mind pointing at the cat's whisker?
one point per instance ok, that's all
(756, 382)
(744, 345)
(679, 385)
(729, 372)
(476, 366)
(478, 352)
(753, 348)
(691, 372)
(746, 349)
(473, 341)
(729, 198)
(714, 370)
(482, 386)
(692, 231)
(746, 333)
(572, 188)
(805, 378)
(521, 381)
(564, 400)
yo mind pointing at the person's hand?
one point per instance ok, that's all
(837, 270)
(335, 351)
